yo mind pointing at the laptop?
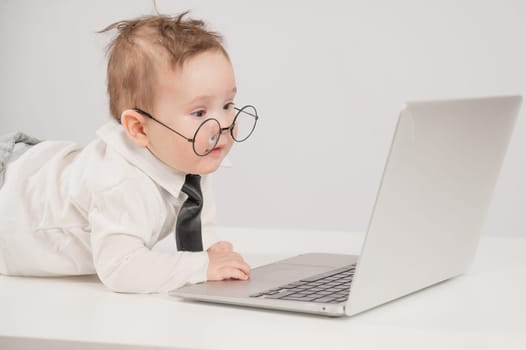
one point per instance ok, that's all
(436, 187)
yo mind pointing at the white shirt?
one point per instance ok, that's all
(72, 210)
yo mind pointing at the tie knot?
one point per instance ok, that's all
(192, 186)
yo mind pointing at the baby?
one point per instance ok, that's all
(72, 210)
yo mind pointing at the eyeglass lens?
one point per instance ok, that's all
(206, 137)
(245, 123)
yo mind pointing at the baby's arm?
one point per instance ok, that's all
(123, 219)
(126, 265)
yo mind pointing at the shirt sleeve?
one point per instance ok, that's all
(125, 220)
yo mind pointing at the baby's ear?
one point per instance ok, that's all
(134, 125)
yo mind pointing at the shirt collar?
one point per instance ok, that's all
(114, 136)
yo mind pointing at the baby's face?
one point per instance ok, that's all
(204, 88)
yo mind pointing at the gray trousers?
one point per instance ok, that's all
(13, 146)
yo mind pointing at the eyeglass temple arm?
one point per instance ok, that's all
(242, 110)
(148, 115)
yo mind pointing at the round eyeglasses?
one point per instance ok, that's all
(207, 135)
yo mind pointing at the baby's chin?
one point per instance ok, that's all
(205, 166)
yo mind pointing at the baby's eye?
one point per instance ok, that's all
(228, 106)
(199, 113)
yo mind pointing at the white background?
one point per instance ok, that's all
(328, 78)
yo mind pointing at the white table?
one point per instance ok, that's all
(483, 309)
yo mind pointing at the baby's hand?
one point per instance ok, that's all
(224, 263)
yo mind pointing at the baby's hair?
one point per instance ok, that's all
(146, 45)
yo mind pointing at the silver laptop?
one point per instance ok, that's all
(436, 187)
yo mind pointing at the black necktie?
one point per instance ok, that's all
(188, 227)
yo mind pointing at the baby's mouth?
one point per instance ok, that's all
(217, 149)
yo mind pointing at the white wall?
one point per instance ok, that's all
(328, 77)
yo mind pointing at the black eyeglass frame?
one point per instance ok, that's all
(221, 130)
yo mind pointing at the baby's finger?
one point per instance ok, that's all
(237, 257)
(224, 247)
(236, 274)
(218, 247)
(227, 246)
(241, 265)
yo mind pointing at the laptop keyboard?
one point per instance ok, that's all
(328, 287)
